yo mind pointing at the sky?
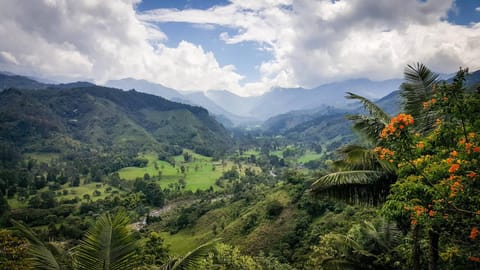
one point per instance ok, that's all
(243, 46)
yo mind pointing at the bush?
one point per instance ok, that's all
(273, 209)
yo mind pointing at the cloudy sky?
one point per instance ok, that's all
(243, 46)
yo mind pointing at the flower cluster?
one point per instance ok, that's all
(398, 122)
(455, 188)
(429, 103)
(384, 153)
(473, 233)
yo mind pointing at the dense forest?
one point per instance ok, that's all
(98, 178)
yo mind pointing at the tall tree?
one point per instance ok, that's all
(360, 176)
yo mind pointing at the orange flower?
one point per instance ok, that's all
(454, 153)
(454, 168)
(432, 213)
(455, 188)
(473, 233)
(474, 259)
(434, 100)
(420, 145)
(468, 146)
(476, 149)
(471, 135)
(472, 175)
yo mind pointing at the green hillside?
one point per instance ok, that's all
(53, 120)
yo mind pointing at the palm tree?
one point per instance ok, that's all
(192, 259)
(43, 256)
(108, 244)
(355, 251)
(419, 87)
(360, 176)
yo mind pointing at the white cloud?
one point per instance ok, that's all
(314, 42)
(311, 41)
(477, 9)
(101, 40)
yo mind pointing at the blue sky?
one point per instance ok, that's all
(247, 47)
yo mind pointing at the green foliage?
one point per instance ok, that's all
(273, 209)
(192, 260)
(13, 252)
(437, 189)
(109, 244)
(228, 257)
(154, 251)
(43, 256)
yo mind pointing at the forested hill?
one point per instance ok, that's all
(62, 117)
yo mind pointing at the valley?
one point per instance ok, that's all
(271, 192)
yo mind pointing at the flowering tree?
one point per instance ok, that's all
(437, 192)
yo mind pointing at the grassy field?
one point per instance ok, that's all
(43, 157)
(87, 189)
(200, 173)
(309, 156)
(251, 152)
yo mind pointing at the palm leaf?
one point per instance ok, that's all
(192, 259)
(357, 157)
(369, 126)
(109, 244)
(332, 263)
(418, 88)
(358, 187)
(41, 254)
(373, 109)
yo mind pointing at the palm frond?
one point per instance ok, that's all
(332, 263)
(366, 126)
(41, 255)
(357, 157)
(368, 187)
(109, 244)
(345, 178)
(418, 88)
(192, 259)
(373, 109)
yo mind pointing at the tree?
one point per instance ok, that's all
(154, 251)
(109, 244)
(360, 176)
(13, 251)
(438, 185)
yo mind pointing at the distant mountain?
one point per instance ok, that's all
(9, 80)
(233, 103)
(326, 124)
(59, 118)
(283, 100)
(146, 87)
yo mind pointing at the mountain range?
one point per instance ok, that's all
(38, 117)
(256, 109)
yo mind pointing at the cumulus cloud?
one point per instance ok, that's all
(313, 42)
(101, 40)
